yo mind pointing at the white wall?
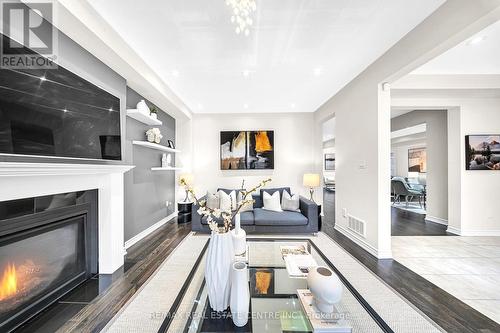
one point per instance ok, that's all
(473, 204)
(293, 156)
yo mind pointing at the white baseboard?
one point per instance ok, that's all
(437, 220)
(453, 230)
(363, 243)
(149, 230)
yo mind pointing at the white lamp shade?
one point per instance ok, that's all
(311, 180)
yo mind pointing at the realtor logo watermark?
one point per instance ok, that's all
(32, 42)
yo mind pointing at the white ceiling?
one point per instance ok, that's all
(477, 55)
(299, 52)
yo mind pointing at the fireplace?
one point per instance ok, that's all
(48, 246)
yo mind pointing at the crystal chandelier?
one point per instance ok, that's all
(242, 10)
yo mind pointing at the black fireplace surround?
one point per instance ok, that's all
(48, 246)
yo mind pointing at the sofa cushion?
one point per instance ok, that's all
(246, 218)
(257, 200)
(272, 190)
(267, 217)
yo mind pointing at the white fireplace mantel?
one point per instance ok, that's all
(24, 180)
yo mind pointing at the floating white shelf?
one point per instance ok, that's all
(139, 116)
(155, 146)
(166, 169)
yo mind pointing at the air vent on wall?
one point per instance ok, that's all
(356, 225)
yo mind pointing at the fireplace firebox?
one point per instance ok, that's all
(48, 246)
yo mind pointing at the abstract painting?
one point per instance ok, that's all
(330, 162)
(242, 150)
(417, 160)
(482, 152)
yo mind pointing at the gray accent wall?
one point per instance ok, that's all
(146, 191)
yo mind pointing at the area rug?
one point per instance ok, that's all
(144, 312)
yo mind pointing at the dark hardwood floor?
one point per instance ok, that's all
(406, 223)
(89, 307)
(447, 311)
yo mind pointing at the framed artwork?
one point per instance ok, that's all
(482, 152)
(330, 162)
(417, 160)
(242, 150)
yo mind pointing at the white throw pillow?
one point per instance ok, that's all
(272, 202)
(290, 202)
(247, 207)
(213, 200)
(227, 201)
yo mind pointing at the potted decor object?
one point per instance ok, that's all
(239, 236)
(240, 294)
(220, 256)
(220, 253)
(153, 113)
(143, 107)
(326, 288)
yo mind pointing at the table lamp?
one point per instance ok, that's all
(311, 180)
(188, 178)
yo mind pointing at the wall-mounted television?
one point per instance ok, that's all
(482, 152)
(54, 112)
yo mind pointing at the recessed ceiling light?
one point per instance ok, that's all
(175, 73)
(246, 73)
(245, 106)
(200, 106)
(476, 40)
(318, 71)
(292, 105)
(43, 78)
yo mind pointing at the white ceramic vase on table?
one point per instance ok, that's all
(326, 288)
(220, 257)
(239, 236)
(240, 294)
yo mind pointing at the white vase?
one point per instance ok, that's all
(220, 256)
(154, 115)
(326, 288)
(240, 294)
(142, 107)
(239, 236)
(169, 160)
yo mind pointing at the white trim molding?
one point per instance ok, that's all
(13, 169)
(453, 230)
(437, 220)
(148, 231)
(364, 244)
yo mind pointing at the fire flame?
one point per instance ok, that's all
(8, 284)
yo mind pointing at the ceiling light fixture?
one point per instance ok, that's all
(246, 73)
(476, 40)
(242, 11)
(200, 106)
(245, 106)
(318, 71)
(292, 105)
(175, 73)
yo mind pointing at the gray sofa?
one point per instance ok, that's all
(265, 221)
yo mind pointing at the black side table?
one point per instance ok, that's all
(320, 222)
(184, 209)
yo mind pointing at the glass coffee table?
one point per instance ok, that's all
(274, 306)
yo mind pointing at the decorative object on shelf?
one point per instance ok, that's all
(242, 150)
(242, 14)
(240, 294)
(171, 144)
(169, 160)
(154, 135)
(325, 287)
(185, 180)
(220, 253)
(239, 237)
(311, 180)
(153, 113)
(482, 152)
(143, 107)
(220, 256)
(164, 160)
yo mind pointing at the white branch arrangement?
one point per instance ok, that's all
(227, 215)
